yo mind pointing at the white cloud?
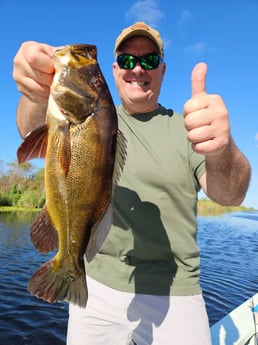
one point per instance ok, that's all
(184, 18)
(256, 136)
(196, 49)
(147, 11)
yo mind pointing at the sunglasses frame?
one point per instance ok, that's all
(140, 59)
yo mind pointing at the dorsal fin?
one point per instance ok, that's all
(100, 229)
(120, 156)
(99, 233)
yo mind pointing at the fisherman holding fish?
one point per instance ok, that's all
(143, 284)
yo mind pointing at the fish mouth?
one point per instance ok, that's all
(76, 55)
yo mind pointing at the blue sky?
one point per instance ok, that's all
(223, 33)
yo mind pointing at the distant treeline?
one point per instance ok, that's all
(21, 185)
(207, 207)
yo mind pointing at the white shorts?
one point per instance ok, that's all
(120, 318)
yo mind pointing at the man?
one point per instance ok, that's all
(144, 282)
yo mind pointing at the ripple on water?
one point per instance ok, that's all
(229, 275)
(228, 261)
(24, 318)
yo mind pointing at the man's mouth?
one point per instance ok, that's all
(138, 83)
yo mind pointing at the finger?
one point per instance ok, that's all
(34, 60)
(42, 59)
(200, 134)
(36, 92)
(198, 79)
(197, 119)
(42, 77)
(205, 148)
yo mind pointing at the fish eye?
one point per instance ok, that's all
(97, 81)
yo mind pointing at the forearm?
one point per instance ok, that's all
(29, 115)
(227, 176)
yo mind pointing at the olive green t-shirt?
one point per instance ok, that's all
(151, 247)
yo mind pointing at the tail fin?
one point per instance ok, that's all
(62, 284)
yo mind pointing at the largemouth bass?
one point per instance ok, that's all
(84, 154)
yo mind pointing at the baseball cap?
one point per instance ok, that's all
(140, 29)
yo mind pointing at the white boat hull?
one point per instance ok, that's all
(238, 327)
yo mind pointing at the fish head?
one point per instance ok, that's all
(78, 81)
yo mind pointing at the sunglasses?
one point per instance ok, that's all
(148, 61)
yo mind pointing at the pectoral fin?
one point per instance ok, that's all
(34, 145)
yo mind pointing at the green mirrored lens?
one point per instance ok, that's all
(148, 62)
(126, 61)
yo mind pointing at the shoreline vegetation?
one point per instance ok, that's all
(22, 190)
(205, 207)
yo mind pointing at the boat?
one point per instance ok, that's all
(239, 327)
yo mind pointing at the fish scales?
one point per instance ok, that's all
(85, 154)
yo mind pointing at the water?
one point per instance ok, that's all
(229, 275)
(229, 261)
(25, 319)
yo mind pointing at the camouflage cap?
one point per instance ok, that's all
(140, 29)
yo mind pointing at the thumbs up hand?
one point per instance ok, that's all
(206, 117)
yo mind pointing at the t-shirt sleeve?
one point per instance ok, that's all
(197, 164)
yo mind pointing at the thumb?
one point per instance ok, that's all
(198, 79)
